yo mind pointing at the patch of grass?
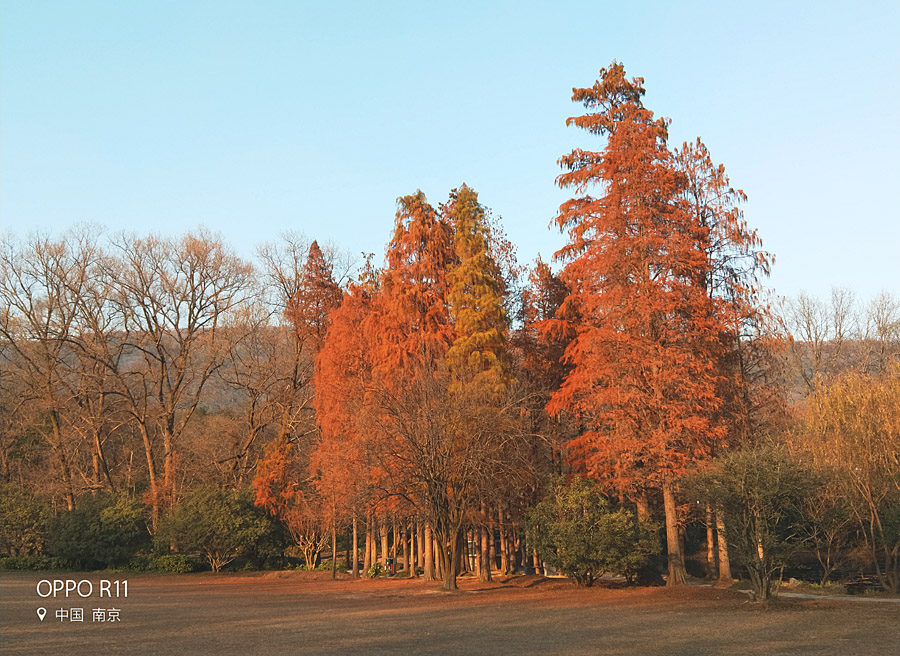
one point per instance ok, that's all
(829, 588)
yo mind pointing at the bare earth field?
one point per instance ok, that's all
(307, 613)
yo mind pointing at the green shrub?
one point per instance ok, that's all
(106, 531)
(375, 570)
(761, 491)
(23, 522)
(325, 566)
(220, 525)
(575, 530)
(174, 564)
(30, 563)
(164, 564)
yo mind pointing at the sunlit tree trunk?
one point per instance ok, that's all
(673, 544)
(439, 575)
(484, 570)
(504, 544)
(354, 549)
(367, 556)
(492, 548)
(710, 544)
(411, 550)
(428, 565)
(725, 578)
(383, 532)
(333, 548)
(420, 536)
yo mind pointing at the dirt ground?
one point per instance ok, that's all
(306, 613)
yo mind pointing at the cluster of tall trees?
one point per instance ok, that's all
(427, 403)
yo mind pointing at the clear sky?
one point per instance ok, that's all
(256, 117)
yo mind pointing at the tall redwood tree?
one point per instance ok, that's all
(644, 377)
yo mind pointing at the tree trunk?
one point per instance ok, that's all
(333, 548)
(438, 559)
(504, 544)
(492, 549)
(420, 546)
(451, 552)
(411, 550)
(151, 474)
(428, 565)
(396, 541)
(400, 549)
(725, 578)
(484, 573)
(382, 527)
(642, 506)
(169, 459)
(354, 548)
(367, 556)
(710, 544)
(673, 545)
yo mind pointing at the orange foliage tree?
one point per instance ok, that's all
(277, 488)
(644, 360)
(282, 482)
(410, 376)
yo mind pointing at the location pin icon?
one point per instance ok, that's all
(41, 612)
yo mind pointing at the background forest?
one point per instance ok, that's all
(646, 408)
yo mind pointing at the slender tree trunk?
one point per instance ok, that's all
(169, 459)
(420, 536)
(461, 564)
(400, 547)
(710, 544)
(382, 527)
(492, 549)
(95, 474)
(367, 556)
(428, 565)
(104, 467)
(436, 551)
(354, 548)
(504, 544)
(725, 578)
(151, 475)
(333, 548)
(522, 551)
(65, 469)
(673, 545)
(374, 545)
(411, 550)
(484, 573)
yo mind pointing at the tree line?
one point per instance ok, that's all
(451, 409)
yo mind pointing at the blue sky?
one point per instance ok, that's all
(252, 118)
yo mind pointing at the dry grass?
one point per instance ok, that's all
(307, 613)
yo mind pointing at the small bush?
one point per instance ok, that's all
(575, 531)
(106, 531)
(174, 564)
(23, 522)
(325, 566)
(221, 525)
(164, 564)
(31, 563)
(375, 571)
